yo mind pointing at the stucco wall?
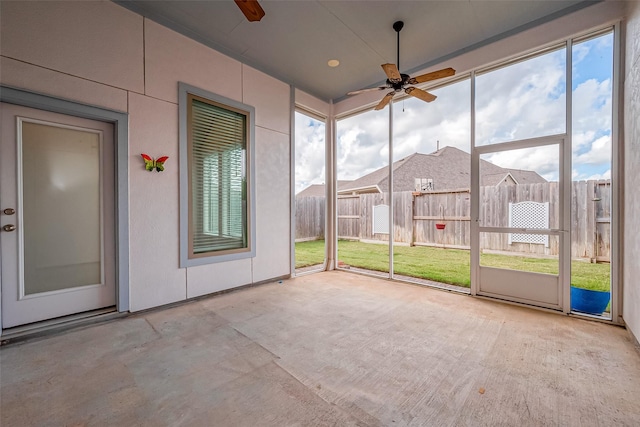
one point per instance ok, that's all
(631, 269)
(101, 54)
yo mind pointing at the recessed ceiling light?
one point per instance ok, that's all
(333, 63)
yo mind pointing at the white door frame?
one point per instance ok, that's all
(120, 122)
(563, 231)
(617, 161)
(301, 109)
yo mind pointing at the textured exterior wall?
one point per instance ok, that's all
(101, 54)
(631, 250)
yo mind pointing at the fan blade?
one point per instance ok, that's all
(251, 9)
(392, 72)
(385, 101)
(356, 92)
(446, 72)
(420, 94)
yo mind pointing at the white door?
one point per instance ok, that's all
(56, 215)
(521, 246)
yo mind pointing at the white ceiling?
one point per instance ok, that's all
(295, 39)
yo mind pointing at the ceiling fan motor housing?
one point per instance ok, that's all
(398, 86)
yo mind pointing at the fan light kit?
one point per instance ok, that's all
(398, 82)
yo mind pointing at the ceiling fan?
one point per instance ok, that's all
(398, 81)
(251, 9)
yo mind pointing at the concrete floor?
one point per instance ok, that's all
(327, 349)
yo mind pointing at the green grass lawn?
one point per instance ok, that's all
(445, 265)
(309, 253)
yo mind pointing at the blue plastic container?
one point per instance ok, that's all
(588, 301)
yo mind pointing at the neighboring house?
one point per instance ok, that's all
(319, 190)
(445, 169)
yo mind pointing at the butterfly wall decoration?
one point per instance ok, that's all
(150, 163)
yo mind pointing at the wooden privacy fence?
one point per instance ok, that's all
(310, 218)
(416, 216)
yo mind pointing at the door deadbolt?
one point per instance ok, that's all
(9, 227)
(9, 211)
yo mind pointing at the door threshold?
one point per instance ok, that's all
(46, 327)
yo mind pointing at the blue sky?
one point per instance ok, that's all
(593, 59)
(523, 100)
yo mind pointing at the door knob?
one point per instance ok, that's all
(9, 211)
(9, 227)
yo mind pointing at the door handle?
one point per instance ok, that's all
(9, 227)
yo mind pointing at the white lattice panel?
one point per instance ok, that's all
(381, 219)
(529, 215)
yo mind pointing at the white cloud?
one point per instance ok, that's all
(582, 176)
(579, 53)
(582, 139)
(599, 154)
(524, 100)
(421, 125)
(591, 112)
(310, 151)
(363, 139)
(362, 144)
(583, 50)
(605, 175)
(543, 160)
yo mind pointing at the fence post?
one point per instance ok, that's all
(591, 219)
(413, 220)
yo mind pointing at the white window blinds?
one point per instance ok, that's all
(218, 193)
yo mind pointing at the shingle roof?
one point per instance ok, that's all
(318, 189)
(449, 168)
(497, 178)
(526, 177)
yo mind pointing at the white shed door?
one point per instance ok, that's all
(56, 215)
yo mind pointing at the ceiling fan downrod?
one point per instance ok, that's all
(398, 25)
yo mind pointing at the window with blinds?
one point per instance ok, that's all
(217, 154)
